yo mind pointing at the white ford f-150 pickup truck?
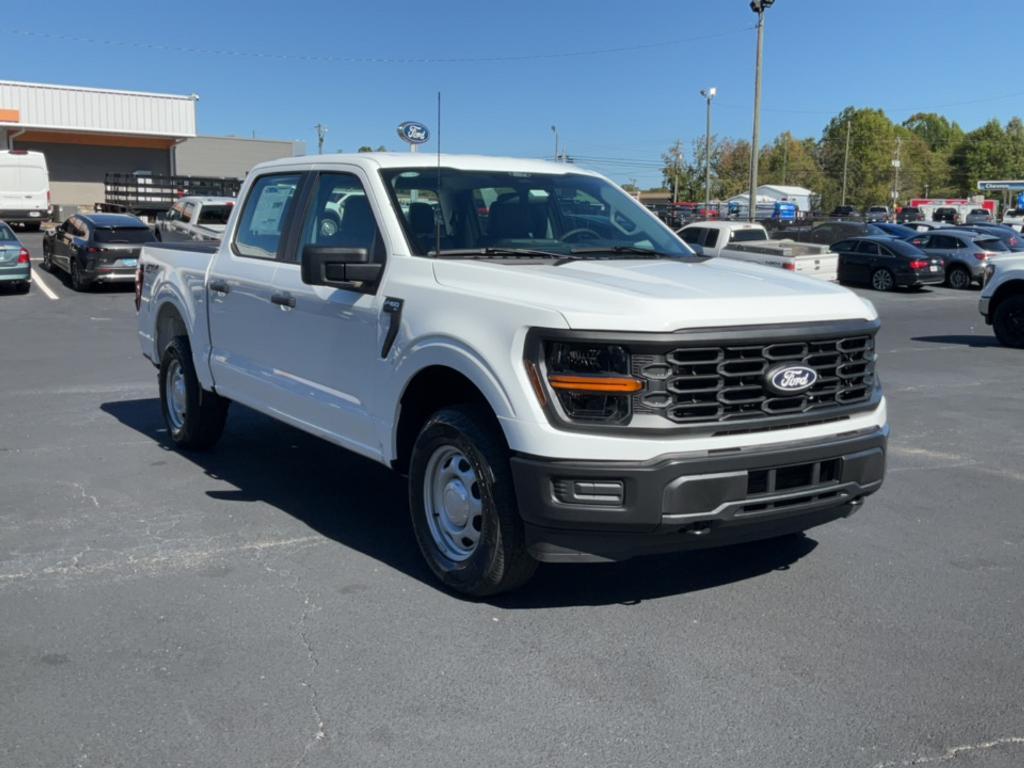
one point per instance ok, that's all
(195, 218)
(744, 241)
(1002, 298)
(559, 376)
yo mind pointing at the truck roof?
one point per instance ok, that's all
(378, 160)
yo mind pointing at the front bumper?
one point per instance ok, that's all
(579, 511)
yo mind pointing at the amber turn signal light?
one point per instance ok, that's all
(608, 384)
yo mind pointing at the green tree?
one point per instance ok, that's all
(792, 162)
(872, 149)
(984, 153)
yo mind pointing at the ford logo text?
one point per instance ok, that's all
(791, 379)
(413, 133)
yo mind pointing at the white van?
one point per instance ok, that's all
(24, 187)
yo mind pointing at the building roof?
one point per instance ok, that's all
(69, 108)
(796, 191)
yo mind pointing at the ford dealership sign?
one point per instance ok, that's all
(413, 133)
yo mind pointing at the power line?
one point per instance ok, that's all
(330, 59)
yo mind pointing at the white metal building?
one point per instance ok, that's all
(778, 193)
(86, 133)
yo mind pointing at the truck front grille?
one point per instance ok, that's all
(711, 384)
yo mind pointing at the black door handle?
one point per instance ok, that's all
(220, 286)
(283, 299)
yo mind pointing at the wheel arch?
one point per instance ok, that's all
(1010, 288)
(431, 388)
(170, 322)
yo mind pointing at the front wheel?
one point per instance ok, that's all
(194, 417)
(1008, 322)
(463, 504)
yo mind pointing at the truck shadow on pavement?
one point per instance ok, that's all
(363, 505)
(963, 339)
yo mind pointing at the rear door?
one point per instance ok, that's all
(865, 262)
(239, 286)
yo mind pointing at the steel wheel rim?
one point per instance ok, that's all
(882, 281)
(175, 395)
(958, 279)
(452, 503)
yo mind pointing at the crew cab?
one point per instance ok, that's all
(557, 375)
(194, 218)
(1002, 298)
(750, 242)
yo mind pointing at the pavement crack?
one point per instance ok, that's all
(320, 734)
(952, 753)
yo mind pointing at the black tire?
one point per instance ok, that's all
(202, 423)
(499, 562)
(1008, 322)
(883, 280)
(78, 281)
(959, 278)
(47, 259)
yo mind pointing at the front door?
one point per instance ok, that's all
(239, 290)
(326, 340)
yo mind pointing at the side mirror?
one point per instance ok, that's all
(338, 267)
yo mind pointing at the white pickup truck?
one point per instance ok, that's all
(1002, 298)
(194, 219)
(748, 242)
(558, 375)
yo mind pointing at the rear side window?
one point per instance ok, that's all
(712, 239)
(265, 215)
(214, 214)
(991, 244)
(748, 235)
(187, 211)
(693, 235)
(868, 247)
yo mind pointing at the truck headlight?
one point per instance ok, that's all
(591, 382)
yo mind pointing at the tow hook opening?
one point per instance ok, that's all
(696, 529)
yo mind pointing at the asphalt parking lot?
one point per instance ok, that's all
(264, 604)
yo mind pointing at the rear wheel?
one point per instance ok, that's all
(78, 281)
(47, 259)
(958, 277)
(1008, 322)
(463, 504)
(194, 417)
(882, 280)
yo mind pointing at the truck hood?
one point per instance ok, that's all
(658, 296)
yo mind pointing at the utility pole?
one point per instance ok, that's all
(554, 130)
(321, 134)
(785, 159)
(846, 160)
(709, 94)
(676, 159)
(758, 7)
(896, 163)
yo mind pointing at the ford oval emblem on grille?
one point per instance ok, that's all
(790, 379)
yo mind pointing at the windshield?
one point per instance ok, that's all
(541, 212)
(6, 233)
(214, 214)
(122, 235)
(994, 244)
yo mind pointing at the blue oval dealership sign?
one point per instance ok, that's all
(413, 133)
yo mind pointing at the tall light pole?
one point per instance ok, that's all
(554, 130)
(709, 94)
(758, 7)
(321, 134)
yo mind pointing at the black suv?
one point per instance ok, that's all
(948, 215)
(845, 212)
(96, 248)
(909, 215)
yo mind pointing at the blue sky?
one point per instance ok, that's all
(279, 68)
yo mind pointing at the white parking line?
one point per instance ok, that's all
(43, 286)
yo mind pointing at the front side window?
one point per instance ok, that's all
(265, 215)
(340, 216)
(560, 214)
(187, 211)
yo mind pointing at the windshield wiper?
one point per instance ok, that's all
(623, 250)
(494, 253)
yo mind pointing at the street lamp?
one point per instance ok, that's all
(709, 94)
(758, 7)
(554, 130)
